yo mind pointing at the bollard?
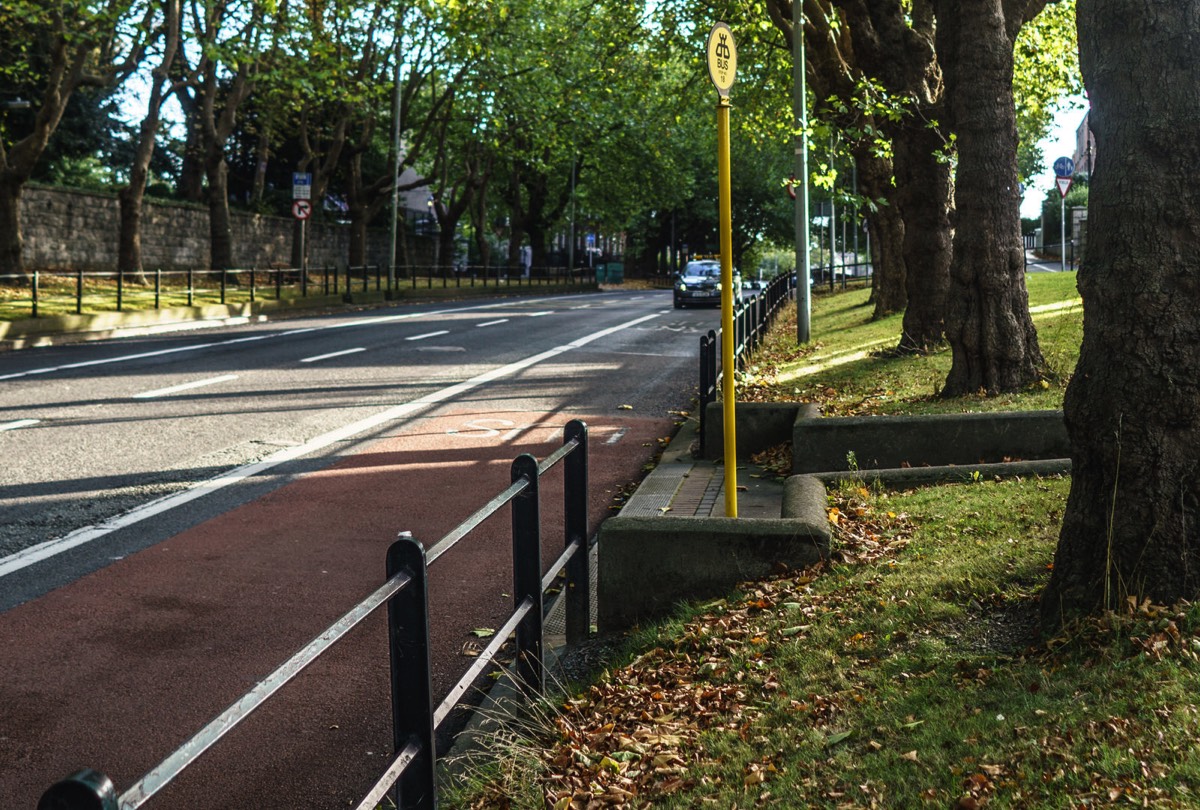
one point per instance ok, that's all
(575, 525)
(527, 575)
(82, 790)
(411, 682)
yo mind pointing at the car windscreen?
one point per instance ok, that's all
(702, 270)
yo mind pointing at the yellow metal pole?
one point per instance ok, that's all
(727, 335)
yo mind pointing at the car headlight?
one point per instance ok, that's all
(682, 286)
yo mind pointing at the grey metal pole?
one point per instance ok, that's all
(392, 236)
(800, 110)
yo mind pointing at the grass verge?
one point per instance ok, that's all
(848, 369)
(908, 671)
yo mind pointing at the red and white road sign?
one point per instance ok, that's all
(302, 209)
(1064, 185)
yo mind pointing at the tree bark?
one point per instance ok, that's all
(887, 234)
(1132, 523)
(129, 239)
(994, 342)
(894, 42)
(12, 267)
(220, 226)
(925, 195)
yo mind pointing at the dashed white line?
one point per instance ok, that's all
(20, 423)
(33, 554)
(332, 354)
(174, 389)
(384, 319)
(491, 323)
(539, 314)
(429, 335)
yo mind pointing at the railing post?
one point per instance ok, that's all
(575, 524)
(33, 304)
(224, 274)
(527, 574)
(120, 289)
(190, 287)
(278, 283)
(82, 790)
(251, 284)
(79, 292)
(304, 280)
(412, 685)
(708, 378)
(157, 287)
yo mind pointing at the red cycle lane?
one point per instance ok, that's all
(116, 670)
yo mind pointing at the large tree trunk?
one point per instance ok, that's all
(991, 333)
(887, 234)
(925, 196)
(129, 240)
(12, 265)
(191, 171)
(1132, 524)
(220, 226)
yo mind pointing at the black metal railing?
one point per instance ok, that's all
(106, 291)
(842, 274)
(751, 319)
(470, 275)
(64, 293)
(410, 777)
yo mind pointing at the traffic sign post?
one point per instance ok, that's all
(1064, 167)
(302, 210)
(722, 67)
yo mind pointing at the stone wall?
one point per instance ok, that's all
(65, 229)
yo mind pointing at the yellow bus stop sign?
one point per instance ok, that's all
(722, 58)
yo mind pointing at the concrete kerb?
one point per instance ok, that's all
(650, 560)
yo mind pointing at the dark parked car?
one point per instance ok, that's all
(700, 283)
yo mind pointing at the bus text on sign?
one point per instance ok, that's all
(722, 58)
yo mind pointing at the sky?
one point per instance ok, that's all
(1060, 142)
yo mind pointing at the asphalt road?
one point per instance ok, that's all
(181, 513)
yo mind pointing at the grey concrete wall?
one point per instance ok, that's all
(65, 229)
(760, 425)
(647, 565)
(881, 442)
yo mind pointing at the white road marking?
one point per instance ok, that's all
(332, 354)
(617, 436)
(20, 423)
(429, 335)
(384, 319)
(514, 433)
(491, 323)
(174, 389)
(42, 551)
(583, 306)
(539, 314)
